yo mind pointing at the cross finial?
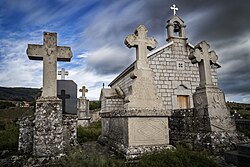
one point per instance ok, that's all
(140, 40)
(83, 90)
(63, 73)
(174, 8)
(204, 58)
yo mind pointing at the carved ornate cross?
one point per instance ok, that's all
(204, 58)
(142, 43)
(83, 90)
(50, 53)
(63, 73)
(174, 9)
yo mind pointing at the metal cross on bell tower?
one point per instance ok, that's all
(174, 8)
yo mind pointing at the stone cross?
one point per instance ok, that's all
(50, 53)
(174, 9)
(142, 43)
(83, 90)
(204, 58)
(63, 73)
(63, 96)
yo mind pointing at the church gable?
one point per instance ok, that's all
(171, 68)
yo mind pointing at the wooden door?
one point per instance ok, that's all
(183, 102)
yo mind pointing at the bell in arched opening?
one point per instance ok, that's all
(176, 27)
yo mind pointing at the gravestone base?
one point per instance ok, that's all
(209, 102)
(48, 129)
(84, 122)
(135, 132)
(48, 133)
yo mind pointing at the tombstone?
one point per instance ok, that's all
(208, 99)
(48, 128)
(209, 102)
(67, 91)
(136, 123)
(83, 109)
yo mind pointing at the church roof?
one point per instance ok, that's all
(131, 67)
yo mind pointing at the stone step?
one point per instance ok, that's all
(240, 160)
(244, 149)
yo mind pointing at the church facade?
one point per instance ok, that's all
(175, 76)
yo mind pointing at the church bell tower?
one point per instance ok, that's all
(175, 26)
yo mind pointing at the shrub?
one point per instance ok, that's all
(9, 137)
(6, 104)
(89, 133)
(94, 105)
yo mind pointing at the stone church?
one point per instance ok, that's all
(175, 76)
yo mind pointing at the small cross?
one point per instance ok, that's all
(141, 42)
(63, 73)
(83, 90)
(63, 96)
(174, 9)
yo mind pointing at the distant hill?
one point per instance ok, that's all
(19, 94)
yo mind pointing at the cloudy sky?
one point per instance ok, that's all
(95, 30)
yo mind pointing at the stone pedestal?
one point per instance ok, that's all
(83, 112)
(219, 131)
(143, 91)
(134, 132)
(209, 102)
(48, 129)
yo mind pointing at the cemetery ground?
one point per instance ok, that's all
(90, 153)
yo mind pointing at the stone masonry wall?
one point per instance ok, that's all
(174, 74)
(188, 128)
(49, 132)
(48, 129)
(26, 133)
(69, 130)
(110, 104)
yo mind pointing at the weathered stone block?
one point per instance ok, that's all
(134, 132)
(48, 129)
(69, 124)
(147, 131)
(26, 133)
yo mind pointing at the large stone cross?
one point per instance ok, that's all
(63, 73)
(50, 53)
(142, 43)
(204, 58)
(83, 90)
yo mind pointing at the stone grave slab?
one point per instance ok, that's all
(67, 91)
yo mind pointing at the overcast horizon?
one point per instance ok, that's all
(95, 30)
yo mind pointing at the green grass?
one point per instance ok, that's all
(181, 157)
(89, 133)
